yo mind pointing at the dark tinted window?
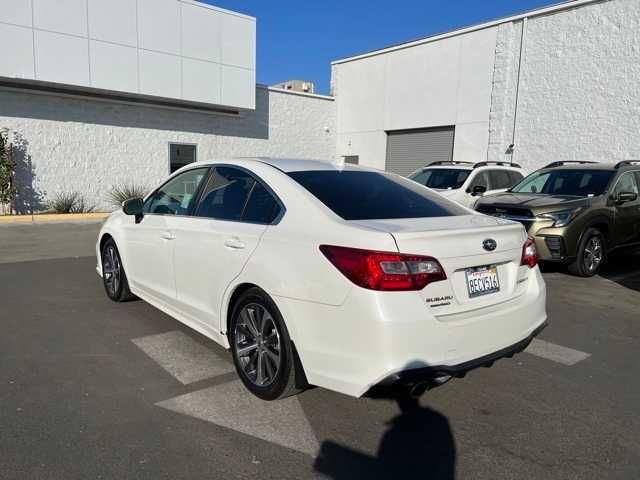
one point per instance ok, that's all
(225, 195)
(177, 195)
(581, 183)
(515, 177)
(261, 207)
(480, 180)
(441, 178)
(499, 179)
(362, 195)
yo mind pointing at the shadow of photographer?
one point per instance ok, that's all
(418, 444)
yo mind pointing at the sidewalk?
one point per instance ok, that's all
(53, 217)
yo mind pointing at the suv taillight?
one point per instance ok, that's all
(529, 253)
(386, 271)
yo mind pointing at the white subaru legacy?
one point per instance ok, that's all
(348, 278)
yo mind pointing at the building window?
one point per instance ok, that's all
(352, 159)
(181, 154)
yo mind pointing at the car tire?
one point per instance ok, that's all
(263, 354)
(591, 254)
(114, 278)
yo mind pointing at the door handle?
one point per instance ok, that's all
(167, 236)
(234, 244)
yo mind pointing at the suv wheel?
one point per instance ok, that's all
(262, 351)
(591, 254)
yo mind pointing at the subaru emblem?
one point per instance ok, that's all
(489, 244)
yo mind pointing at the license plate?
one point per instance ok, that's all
(482, 280)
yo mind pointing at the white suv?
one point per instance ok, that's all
(465, 182)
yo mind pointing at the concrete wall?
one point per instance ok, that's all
(579, 94)
(447, 82)
(176, 49)
(88, 146)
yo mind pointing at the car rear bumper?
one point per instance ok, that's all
(375, 337)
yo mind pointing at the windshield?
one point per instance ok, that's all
(441, 178)
(578, 183)
(363, 195)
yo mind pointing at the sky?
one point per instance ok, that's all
(300, 39)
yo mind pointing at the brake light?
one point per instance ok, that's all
(529, 253)
(386, 271)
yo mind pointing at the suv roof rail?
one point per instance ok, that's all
(565, 162)
(626, 162)
(504, 164)
(448, 162)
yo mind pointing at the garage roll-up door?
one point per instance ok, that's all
(408, 150)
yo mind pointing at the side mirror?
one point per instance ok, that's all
(478, 190)
(624, 197)
(133, 206)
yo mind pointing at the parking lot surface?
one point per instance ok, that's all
(94, 389)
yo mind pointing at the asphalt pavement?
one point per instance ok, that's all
(94, 389)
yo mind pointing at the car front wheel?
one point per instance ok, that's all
(591, 254)
(262, 351)
(114, 277)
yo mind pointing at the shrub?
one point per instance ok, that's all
(122, 193)
(70, 202)
(7, 188)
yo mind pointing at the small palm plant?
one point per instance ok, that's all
(124, 192)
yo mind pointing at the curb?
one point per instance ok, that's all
(53, 217)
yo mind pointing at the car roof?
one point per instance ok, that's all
(287, 164)
(583, 166)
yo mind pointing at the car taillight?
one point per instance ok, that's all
(384, 270)
(529, 253)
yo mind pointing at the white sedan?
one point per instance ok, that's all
(344, 277)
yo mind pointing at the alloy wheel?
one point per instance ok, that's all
(257, 345)
(111, 270)
(593, 254)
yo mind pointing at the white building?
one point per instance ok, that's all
(103, 93)
(558, 83)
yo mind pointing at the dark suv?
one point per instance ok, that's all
(577, 212)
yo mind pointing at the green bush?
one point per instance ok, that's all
(122, 193)
(70, 202)
(7, 188)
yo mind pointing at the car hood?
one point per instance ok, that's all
(533, 201)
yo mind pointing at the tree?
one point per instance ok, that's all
(7, 187)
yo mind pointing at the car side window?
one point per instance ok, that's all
(626, 183)
(499, 179)
(481, 179)
(535, 184)
(261, 207)
(225, 195)
(176, 197)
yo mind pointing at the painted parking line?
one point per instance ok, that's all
(556, 353)
(230, 405)
(183, 357)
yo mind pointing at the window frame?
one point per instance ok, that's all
(184, 144)
(635, 174)
(196, 196)
(256, 178)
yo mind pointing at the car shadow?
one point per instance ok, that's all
(418, 444)
(623, 267)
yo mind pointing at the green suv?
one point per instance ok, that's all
(577, 212)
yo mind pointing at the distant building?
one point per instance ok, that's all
(296, 86)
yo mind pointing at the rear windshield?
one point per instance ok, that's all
(441, 178)
(577, 183)
(362, 195)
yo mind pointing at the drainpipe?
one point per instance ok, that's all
(523, 38)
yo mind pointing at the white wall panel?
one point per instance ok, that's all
(159, 25)
(61, 58)
(238, 41)
(160, 74)
(64, 16)
(17, 61)
(114, 67)
(113, 21)
(175, 49)
(17, 12)
(200, 32)
(238, 87)
(200, 81)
